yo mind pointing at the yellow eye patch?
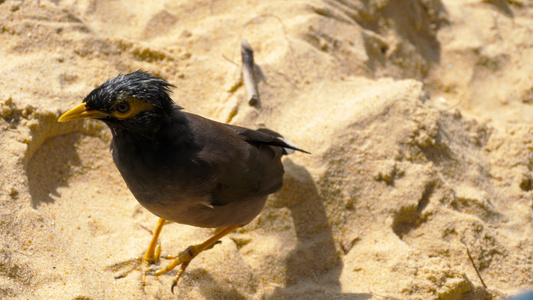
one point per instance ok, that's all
(129, 108)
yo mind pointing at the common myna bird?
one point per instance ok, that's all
(182, 167)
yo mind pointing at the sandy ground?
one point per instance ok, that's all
(418, 114)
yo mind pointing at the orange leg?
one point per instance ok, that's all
(153, 252)
(185, 257)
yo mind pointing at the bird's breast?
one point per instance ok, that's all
(161, 177)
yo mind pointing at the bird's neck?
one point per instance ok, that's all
(168, 130)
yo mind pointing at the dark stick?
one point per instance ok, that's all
(248, 75)
(475, 268)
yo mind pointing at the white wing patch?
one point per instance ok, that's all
(288, 150)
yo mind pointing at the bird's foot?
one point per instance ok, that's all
(183, 259)
(150, 258)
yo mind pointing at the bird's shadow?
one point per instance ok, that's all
(50, 166)
(210, 286)
(314, 262)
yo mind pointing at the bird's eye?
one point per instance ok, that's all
(129, 108)
(123, 107)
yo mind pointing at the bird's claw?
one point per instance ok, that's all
(183, 259)
(177, 278)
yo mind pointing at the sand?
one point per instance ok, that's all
(418, 115)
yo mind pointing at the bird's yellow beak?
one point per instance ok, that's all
(81, 112)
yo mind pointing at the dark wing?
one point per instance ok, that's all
(263, 136)
(242, 163)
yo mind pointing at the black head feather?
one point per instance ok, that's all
(142, 86)
(139, 84)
